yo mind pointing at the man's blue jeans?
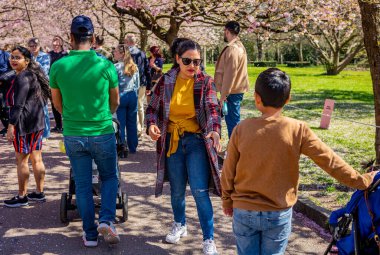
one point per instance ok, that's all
(262, 233)
(190, 163)
(81, 151)
(233, 116)
(46, 133)
(127, 116)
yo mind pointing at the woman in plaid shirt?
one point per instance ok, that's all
(183, 117)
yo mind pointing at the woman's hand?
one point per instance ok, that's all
(216, 140)
(10, 133)
(154, 132)
(228, 212)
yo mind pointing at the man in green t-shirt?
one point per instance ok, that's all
(85, 91)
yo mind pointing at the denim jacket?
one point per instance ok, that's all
(44, 60)
(127, 83)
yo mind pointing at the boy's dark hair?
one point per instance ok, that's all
(233, 27)
(273, 86)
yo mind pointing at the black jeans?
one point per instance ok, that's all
(57, 117)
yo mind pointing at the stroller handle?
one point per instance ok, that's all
(374, 186)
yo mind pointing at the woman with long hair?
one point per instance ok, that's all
(183, 117)
(27, 96)
(129, 83)
(156, 63)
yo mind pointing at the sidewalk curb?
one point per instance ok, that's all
(314, 212)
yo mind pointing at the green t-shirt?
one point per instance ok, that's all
(84, 80)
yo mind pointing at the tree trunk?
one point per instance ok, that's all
(143, 39)
(205, 56)
(331, 69)
(301, 52)
(259, 49)
(370, 22)
(122, 30)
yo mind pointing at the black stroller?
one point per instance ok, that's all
(362, 213)
(122, 198)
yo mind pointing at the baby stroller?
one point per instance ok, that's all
(362, 213)
(122, 198)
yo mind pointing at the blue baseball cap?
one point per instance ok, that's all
(82, 25)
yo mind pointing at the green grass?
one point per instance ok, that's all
(353, 95)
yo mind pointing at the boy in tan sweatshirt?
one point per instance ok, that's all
(261, 172)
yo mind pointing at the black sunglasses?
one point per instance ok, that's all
(187, 61)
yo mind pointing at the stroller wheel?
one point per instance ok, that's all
(63, 208)
(124, 199)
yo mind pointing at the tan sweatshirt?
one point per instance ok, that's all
(261, 171)
(231, 73)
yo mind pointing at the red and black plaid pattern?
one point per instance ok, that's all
(208, 116)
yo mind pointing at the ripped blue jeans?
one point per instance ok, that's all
(190, 164)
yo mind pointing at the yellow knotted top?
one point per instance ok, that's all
(182, 112)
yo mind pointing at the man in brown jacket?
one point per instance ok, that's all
(231, 75)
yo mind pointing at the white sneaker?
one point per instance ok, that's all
(89, 243)
(209, 247)
(176, 233)
(108, 231)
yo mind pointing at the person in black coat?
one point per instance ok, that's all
(56, 54)
(27, 96)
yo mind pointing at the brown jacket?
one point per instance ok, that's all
(231, 75)
(261, 170)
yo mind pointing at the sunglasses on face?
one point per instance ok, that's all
(187, 61)
(32, 45)
(17, 58)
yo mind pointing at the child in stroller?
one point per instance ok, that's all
(122, 199)
(363, 213)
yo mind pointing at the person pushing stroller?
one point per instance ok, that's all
(85, 90)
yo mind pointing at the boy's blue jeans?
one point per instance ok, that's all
(127, 116)
(262, 233)
(190, 163)
(81, 150)
(233, 116)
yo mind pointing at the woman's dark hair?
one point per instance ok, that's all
(36, 69)
(184, 44)
(174, 49)
(155, 50)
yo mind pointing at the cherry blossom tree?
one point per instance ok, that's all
(333, 28)
(166, 17)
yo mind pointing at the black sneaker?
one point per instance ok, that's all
(57, 130)
(39, 197)
(3, 131)
(16, 201)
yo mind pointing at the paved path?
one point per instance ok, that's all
(36, 229)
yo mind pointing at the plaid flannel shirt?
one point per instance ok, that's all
(207, 113)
